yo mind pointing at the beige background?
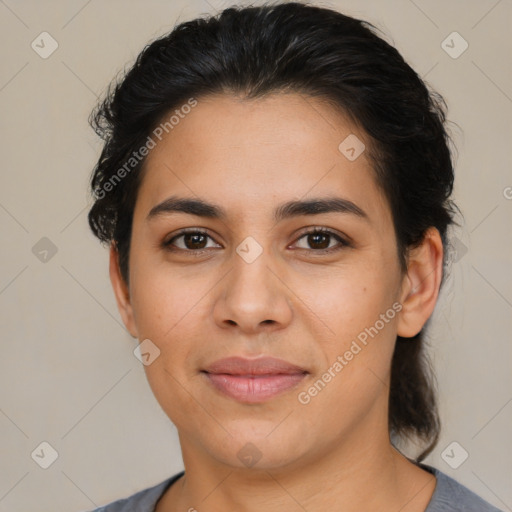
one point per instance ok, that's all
(68, 375)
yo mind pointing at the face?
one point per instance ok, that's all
(256, 281)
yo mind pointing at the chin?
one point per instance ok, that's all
(253, 448)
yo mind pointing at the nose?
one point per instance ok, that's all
(254, 296)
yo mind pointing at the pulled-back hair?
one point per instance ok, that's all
(294, 47)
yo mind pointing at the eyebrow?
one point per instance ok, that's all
(202, 208)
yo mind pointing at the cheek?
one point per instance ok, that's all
(356, 361)
(174, 312)
(162, 301)
(347, 300)
(360, 311)
(166, 312)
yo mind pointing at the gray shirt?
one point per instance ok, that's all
(449, 496)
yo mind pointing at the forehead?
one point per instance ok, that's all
(250, 154)
(291, 123)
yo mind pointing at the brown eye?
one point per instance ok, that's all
(319, 240)
(193, 241)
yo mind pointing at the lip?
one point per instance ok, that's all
(253, 380)
(260, 366)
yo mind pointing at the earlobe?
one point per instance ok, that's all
(121, 292)
(420, 286)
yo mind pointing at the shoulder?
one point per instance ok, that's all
(451, 496)
(142, 501)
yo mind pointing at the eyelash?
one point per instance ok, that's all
(167, 245)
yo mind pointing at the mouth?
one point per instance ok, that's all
(253, 380)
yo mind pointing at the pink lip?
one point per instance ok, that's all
(260, 366)
(253, 380)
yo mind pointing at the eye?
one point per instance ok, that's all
(319, 239)
(193, 240)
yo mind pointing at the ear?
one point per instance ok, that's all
(121, 292)
(420, 286)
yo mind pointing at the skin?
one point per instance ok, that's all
(292, 302)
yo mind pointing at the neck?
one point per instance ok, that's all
(361, 473)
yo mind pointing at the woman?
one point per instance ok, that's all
(275, 188)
